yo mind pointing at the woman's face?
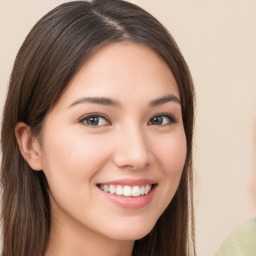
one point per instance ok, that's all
(113, 147)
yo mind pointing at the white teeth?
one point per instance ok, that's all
(119, 190)
(147, 189)
(136, 191)
(112, 189)
(126, 190)
(105, 188)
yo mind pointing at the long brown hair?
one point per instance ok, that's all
(50, 56)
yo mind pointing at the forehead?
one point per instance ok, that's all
(120, 70)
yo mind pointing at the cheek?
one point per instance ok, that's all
(172, 154)
(71, 163)
(73, 158)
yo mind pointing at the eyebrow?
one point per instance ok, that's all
(167, 98)
(111, 102)
(97, 100)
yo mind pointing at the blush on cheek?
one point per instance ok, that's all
(175, 155)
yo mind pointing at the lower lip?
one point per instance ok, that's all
(130, 202)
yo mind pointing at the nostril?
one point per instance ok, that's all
(131, 160)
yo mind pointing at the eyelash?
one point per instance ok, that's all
(85, 119)
(171, 119)
(94, 115)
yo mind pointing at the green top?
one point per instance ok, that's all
(242, 241)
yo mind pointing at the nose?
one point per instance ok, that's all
(132, 150)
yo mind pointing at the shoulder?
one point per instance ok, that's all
(242, 241)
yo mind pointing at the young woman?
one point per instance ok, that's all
(97, 137)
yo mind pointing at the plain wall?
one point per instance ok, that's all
(218, 40)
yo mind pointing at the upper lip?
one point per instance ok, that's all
(130, 182)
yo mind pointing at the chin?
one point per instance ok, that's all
(132, 232)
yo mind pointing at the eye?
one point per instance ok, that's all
(95, 120)
(162, 119)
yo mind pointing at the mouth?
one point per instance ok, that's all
(126, 190)
(128, 193)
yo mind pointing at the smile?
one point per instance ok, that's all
(129, 193)
(125, 190)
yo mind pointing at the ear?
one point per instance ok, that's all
(29, 146)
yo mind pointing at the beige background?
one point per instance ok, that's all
(218, 40)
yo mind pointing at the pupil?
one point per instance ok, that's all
(93, 120)
(157, 120)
